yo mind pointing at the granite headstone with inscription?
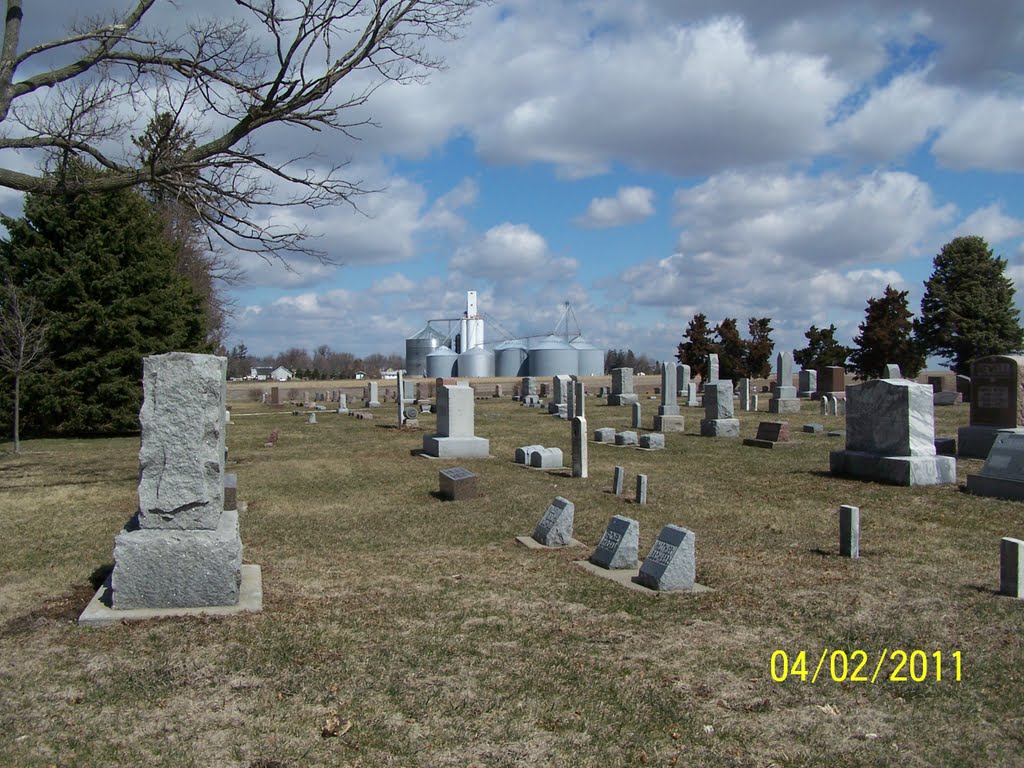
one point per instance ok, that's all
(1003, 473)
(619, 545)
(672, 562)
(997, 403)
(555, 527)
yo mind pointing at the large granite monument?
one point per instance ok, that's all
(454, 438)
(890, 435)
(719, 419)
(785, 400)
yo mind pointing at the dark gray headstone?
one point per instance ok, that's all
(671, 564)
(555, 527)
(619, 546)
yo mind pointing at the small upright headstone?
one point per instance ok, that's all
(579, 447)
(618, 480)
(524, 454)
(712, 369)
(546, 458)
(1011, 567)
(371, 395)
(682, 378)
(275, 395)
(312, 418)
(637, 422)
(849, 531)
(892, 371)
(604, 435)
(672, 562)
(342, 403)
(1002, 476)
(691, 396)
(641, 489)
(555, 527)
(746, 394)
(619, 545)
(579, 399)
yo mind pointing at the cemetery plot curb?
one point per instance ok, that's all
(624, 577)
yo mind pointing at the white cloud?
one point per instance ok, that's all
(394, 283)
(985, 133)
(510, 253)
(992, 223)
(630, 204)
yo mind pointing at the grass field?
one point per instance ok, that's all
(402, 630)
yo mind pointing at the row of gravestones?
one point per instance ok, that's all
(670, 565)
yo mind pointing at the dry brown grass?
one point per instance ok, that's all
(444, 644)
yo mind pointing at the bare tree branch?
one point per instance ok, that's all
(223, 80)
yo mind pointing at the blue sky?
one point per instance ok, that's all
(650, 159)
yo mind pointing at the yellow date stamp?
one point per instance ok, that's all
(858, 666)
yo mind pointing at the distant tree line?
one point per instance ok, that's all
(967, 311)
(322, 363)
(626, 358)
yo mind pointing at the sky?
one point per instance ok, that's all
(649, 160)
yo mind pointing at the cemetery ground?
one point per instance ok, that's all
(399, 629)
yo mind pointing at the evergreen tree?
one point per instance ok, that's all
(104, 276)
(698, 345)
(732, 350)
(886, 336)
(967, 310)
(822, 350)
(759, 347)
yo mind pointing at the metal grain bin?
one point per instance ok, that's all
(441, 363)
(418, 346)
(510, 358)
(476, 363)
(553, 357)
(591, 359)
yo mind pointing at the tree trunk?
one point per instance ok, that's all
(17, 392)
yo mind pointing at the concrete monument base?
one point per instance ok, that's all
(623, 399)
(787, 405)
(975, 442)
(456, 447)
(669, 423)
(167, 568)
(757, 443)
(720, 427)
(894, 470)
(250, 600)
(626, 577)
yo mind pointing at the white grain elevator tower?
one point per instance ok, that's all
(471, 326)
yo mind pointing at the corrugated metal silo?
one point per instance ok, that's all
(476, 363)
(510, 358)
(553, 357)
(418, 346)
(441, 363)
(591, 359)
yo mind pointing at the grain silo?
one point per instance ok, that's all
(441, 363)
(418, 346)
(475, 363)
(590, 358)
(553, 357)
(510, 358)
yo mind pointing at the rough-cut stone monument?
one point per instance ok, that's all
(622, 387)
(997, 403)
(604, 435)
(672, 562)
(619, 545)
(559, 403)
(890, 435)
(555, 527)
(719, 420)
(182, 549)
(785, 400)
(454, 438)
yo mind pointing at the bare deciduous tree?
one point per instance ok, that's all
(22, 343)
(221, 80)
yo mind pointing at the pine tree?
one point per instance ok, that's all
(732, 351)
(967, 310)
(698, 345)
(104, 276)
(886, 336)
(822, 350)
(759, 347)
